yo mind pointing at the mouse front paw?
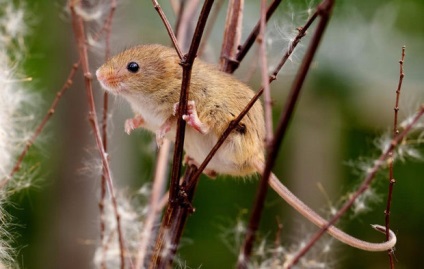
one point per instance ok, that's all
(133, 123)
(192, 118)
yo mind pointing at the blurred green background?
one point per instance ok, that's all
(346, 104)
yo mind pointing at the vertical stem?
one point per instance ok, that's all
(107, 28)
(159, 182)
(79, 32)
(179, 196)
(173, 224)
(187, 64)
(232, 33)
(264, 74)
(392, 180)
(251, 38)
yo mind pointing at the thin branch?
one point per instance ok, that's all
(179, 205)
(107, 29)
(264, 75)
(392, 180)
(79, 33)
(232, 33)
(155, 205)
(251, 38)
(168, 28)
(173, 224)
(43, 123)
(186, 63)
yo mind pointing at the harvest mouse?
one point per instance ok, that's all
(149, 78)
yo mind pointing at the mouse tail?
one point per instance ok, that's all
(319, 221)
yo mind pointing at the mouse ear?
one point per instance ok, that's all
(133, 67)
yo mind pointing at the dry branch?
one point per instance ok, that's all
(232, 34)
(79, 32)
(392, 179)
(176, 215)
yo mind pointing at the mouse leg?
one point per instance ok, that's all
(192, 118)
(162, 131)
(133, 123)
(209, 172)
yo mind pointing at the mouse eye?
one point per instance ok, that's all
(133, 67)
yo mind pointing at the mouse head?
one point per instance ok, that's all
(137, 69)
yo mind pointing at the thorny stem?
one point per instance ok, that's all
(392, 180)
(168, 28)
(252, 37)
(43, 123)
(232, 33)
(324, 11)
(79, 33)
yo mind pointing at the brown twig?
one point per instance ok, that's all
(155, 205)
(158, 201)
(186, 63)
(251, 38)
(324, 11)
(173, 224)
(392, 180)
(43, 123)
(179, 198)
(107, 26)
(168, 28)
(264, 75)
(232, 33)
(79, 32)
